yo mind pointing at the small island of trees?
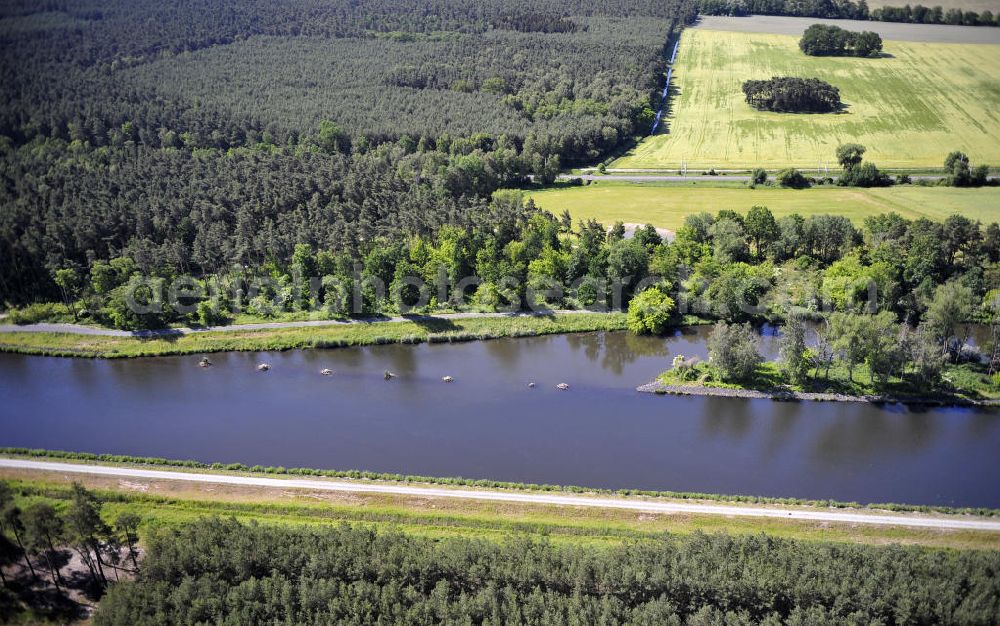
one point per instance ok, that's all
(824, 40)
(789, 94)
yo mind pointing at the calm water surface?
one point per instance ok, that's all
(489, 424)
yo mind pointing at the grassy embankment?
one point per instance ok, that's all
(965, 382)
(910, 107)
(441, 330)
(666, 205)
(189, 465)
(172, 503)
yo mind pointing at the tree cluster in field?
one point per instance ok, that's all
(849, 10)
(224, 572)
(40, 540)
(823, 40)
(789, 94)
(856, 171)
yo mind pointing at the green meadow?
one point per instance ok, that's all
(666, 206)
(910, 107)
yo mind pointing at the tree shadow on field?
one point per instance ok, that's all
(431, 323)
(673, 92)
(165, 334)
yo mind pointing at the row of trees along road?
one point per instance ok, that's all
(851, 10)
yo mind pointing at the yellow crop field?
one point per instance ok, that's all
(910, 108)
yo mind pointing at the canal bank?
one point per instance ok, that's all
(490, 424)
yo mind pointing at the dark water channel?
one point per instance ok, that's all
(490, 424)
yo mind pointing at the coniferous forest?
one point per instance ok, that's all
(376, 117)
(224, 572)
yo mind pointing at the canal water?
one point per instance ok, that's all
(489, 423)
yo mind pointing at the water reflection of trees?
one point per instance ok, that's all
(616, 350)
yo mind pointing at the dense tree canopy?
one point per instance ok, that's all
(788, 94)
(223, 572)
(235, 130)
(827, 40)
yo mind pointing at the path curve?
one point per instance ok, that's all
(942, 522)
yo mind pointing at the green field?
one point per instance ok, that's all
(666, 206)
(910, 108)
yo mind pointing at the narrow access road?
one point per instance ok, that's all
(942, 522)
(173, 332)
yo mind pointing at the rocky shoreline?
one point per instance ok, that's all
(797, 396)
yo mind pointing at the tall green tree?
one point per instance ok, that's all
(793, 350)
(732, 349)
(87, 530)
(44, 531)
(762, 229)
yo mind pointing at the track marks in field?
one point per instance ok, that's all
(910, 109)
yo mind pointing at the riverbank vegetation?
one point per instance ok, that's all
(356, 575)
(420, 330)
(853, 356)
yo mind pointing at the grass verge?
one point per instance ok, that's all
(436, 330)
(239, 468)
(172, 503)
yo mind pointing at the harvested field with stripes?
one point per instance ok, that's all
(910, 107)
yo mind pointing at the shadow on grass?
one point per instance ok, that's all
(432, 324)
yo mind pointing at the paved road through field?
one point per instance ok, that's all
(943, 522)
